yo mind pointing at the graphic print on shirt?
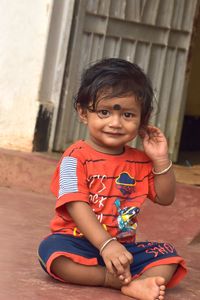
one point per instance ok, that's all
(96, 199)
(124, 218)
(127, 221)
(125, 183)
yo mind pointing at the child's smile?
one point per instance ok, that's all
(114, 123)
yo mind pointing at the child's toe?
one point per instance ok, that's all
(162, 293)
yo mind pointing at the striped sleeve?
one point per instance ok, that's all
(70, 184)
(68, 181)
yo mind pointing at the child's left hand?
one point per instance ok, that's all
(154, 143)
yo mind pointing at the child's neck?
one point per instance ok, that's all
(105, 150)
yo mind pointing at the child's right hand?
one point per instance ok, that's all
(117, 260)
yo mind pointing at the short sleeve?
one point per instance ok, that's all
(69, 183)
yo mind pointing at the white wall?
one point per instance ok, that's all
(23, 36)
(55, 59)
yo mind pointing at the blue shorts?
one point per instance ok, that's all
(80, 250)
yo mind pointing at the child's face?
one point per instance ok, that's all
(115, 122)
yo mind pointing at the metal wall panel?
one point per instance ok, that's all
(155, 34)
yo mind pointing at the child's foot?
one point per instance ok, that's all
(149, 288)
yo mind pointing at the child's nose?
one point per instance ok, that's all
(115, 121)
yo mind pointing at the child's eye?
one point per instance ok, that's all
(128, 115)
(103, 113)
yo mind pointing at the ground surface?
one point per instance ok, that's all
(25, 212)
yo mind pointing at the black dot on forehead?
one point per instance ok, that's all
(116, 107)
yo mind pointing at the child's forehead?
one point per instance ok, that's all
(118, 103)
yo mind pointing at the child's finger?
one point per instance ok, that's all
(130, 257)
(118, 266)
(121, 277)
(126, 259)
(125, 278)
(110, 267)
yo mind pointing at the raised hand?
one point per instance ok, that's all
(154, 143)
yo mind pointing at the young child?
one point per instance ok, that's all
(101, 184)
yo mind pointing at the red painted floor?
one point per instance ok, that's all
(24, 221)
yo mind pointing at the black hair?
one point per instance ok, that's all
(115, 77)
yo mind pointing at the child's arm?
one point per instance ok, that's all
(115, 255)
(155, 146)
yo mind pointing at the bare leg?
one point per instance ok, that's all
(76, 273)
(151, 284)
(165, 271)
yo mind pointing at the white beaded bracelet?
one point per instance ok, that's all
(163, 171)
(106, 243)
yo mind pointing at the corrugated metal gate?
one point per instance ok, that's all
(155, 34)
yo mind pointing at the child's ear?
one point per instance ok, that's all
(142, 131)
(82, 114)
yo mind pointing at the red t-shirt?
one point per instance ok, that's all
(115, 186)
